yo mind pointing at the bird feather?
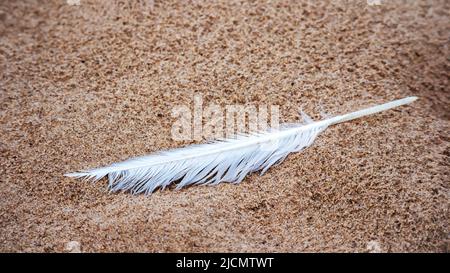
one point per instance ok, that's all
(226, 160)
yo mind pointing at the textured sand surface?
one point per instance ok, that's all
(87, 85)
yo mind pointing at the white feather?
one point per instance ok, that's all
(228, 160)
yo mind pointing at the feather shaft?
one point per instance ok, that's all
(372, 110)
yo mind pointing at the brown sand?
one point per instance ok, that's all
(84, 86)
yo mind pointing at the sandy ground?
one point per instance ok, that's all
(90, 84)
